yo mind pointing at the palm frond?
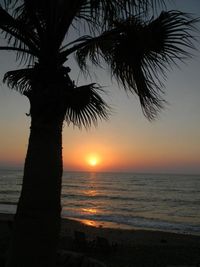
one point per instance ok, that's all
(85, 106)
(17, 33)
(104, 12)
(42, 25)
(139, 53)
(91, 50)
(20, 80)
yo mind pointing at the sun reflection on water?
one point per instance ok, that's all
(90, 193)
(90, 210)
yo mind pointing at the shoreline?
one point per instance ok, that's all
(133, 247)
(107, 224)
(115, 225)
(115, 232)
(133, 236)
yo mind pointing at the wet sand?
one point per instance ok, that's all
(118, 247)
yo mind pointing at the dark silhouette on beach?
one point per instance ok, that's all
(137, 50)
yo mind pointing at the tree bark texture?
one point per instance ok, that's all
(37, 220)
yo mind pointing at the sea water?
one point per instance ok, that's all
(167, 202)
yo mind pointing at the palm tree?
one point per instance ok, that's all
(120, 33)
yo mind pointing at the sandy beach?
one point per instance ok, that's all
(118, 247)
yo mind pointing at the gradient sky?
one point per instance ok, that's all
(128, 141)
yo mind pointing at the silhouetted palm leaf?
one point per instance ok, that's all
(20, 80)
(104, 12)
(139, 52)
(18, 33)
(85, 105)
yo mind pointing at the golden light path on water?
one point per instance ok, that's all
(91, 193)
(90, 210)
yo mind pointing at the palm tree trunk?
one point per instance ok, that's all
(37, 221)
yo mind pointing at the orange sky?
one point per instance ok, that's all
(170, 144)
(127, 142)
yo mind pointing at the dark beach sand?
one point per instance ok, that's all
(120, 247)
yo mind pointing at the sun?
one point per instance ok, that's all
(93, 160)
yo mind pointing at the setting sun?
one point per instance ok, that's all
(93, 160)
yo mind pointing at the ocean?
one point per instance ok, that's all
(166, 202)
